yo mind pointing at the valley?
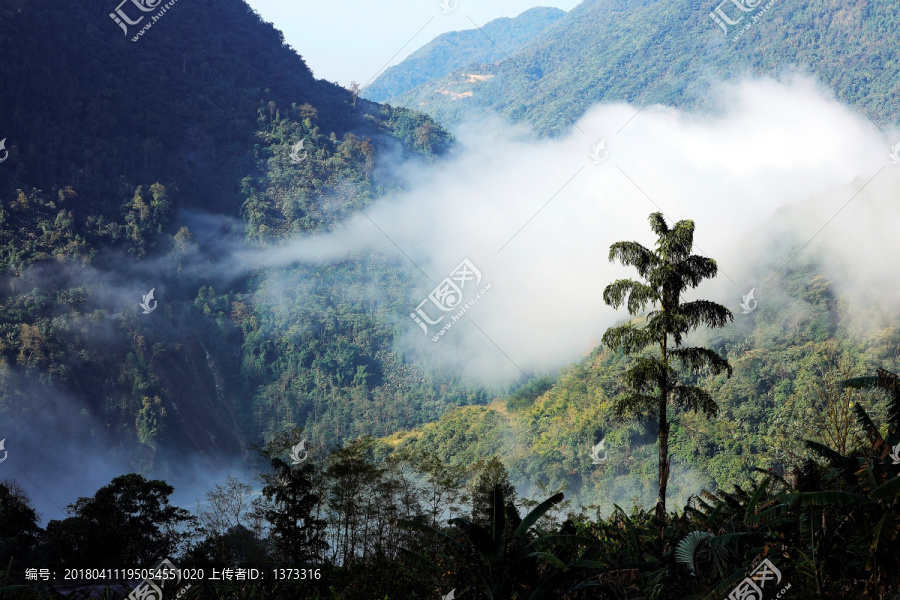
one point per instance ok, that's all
(651, 247)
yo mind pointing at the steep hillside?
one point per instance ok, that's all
(450, 51)
(670, 52)
(182, 104)
(787, 363)
(133, 161)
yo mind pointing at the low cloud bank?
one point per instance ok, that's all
(536, 218)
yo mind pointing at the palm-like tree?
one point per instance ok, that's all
(651, 382)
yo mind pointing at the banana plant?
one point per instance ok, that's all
(855, 504)
(729, 532)
(514, 559)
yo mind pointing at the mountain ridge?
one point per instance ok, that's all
(455, 49)
(137, 165)
(674, 53)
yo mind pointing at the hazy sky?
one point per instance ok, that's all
(353, 40)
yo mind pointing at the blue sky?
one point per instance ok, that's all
(354, 39)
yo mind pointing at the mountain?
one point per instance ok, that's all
(138, 157)
(655, 51)
(158, 173)
(62, 121)
(786, 365)
(788, 362)
(450, 51)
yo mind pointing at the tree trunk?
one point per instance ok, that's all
(663, 435)
(663, 458)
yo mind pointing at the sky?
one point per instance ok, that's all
(354, 40)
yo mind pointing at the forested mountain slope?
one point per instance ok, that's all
(788, 361)
(656, 51)
(133, 166)
(450, 51)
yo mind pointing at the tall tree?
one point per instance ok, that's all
(652, 382)
(18, 522)
(492, 476)
(291, 507)
(127, 522)
(443, 493)
(352, 499)
(233, 523)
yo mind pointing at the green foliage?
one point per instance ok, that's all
(785, 388)
(127, 522)
(149, 419)
(507, 557)
(109, 145)
(492, 479)
(830, 532)
(18, 523)
(651, 382)
(688, 550)
(85, 208)
(449, 51)
(291, 504)
(525, 396)
(670, 53)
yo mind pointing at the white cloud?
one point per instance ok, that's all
(773, 144)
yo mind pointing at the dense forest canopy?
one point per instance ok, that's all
(450, 51)
(672, 53)
(201, 157)
(158, 337)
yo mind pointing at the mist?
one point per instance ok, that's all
(61, 452)
(537, 217)
(781, 171)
